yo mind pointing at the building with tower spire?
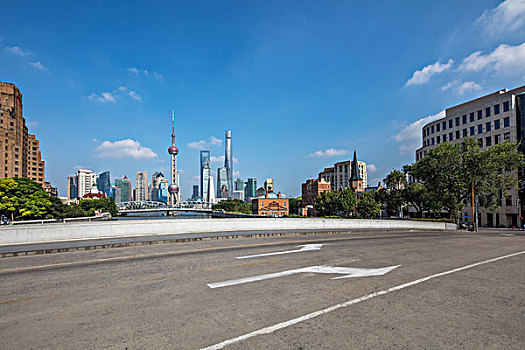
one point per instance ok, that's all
(356, 180)
(173, 189)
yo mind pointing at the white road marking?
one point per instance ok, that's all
(276, 327)
(348, 272)
(304, 248)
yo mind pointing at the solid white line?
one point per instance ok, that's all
(271, 329)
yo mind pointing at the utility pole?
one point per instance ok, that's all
(474, 218)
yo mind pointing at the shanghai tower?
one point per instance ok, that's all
(228, 161)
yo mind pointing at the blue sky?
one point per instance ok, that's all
(301, 84)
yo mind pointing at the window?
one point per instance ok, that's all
(432, 129)
(506, 122)
(457, 121)
(465, 133)
(488, 126)
(480, 114)
(444, 125)
(487, 112)
(506, 106)
(433, 141)
(450, 123)
(497, 139)
(471, 116)
(444, 137)
(506, 136)
(438, 139)
(465, 119)
(480, 128)
(457, 134)
(450, 136)
(488, 141)
(496, 124)
(508, 201)
(424, 132)
(438, 127)
(496, 109)
(471, 131)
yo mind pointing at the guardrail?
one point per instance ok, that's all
(101, 217)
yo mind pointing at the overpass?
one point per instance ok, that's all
(153, 206)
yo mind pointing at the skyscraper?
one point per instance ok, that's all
(251, 189)
(205, 163)
(125, 188)
(72, 187)
(228, 159)
(141, 186)
(206, 175)
(239, 185)
(222, 183)
(103, 181)
(85, 180)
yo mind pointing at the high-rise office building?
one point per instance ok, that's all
(205, 163)
(211, 191)
(250, 190)
(72, 187)
(228, 159)
(196, 194)
(239, 185)
(206, 175)
(20, 156)
(141, 186)
(490, 119)
(222, 183)
(159, 188)
(125, 188)
(103, 181)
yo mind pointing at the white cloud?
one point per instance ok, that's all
(371, 168)
(37, 65)
(15, 50)
(236, 173)
(469, 86)
(124, 149)
(462, 87)
(145, 72)
(331, 152)
(451, 84)
(508, 16)
(422, 76)
(202, 144)
(220, 159)
(505, 59)
(410, 135)
(112, 96)
(78, 167)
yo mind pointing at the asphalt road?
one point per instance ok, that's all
(450, 291)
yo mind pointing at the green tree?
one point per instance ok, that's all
(392, 196)
(417, 195)
(233, 206)
(451, 172)
(22, 198)
(327, 204)
(396, 180)
(368, 206)
(347, 202)
(295, 204)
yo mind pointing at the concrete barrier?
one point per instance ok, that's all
(113, 229)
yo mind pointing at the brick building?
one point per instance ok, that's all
(20, 153)
(310, 190)
(270, 204)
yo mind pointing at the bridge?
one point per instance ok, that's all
(153, 206)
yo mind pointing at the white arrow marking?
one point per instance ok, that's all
(348, 272)
(304, 248)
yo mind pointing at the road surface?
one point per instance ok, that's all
(447, 290)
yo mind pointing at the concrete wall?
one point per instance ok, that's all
(112, 229)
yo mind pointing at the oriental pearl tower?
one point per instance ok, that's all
(173, 189)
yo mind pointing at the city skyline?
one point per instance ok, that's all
(315, 76)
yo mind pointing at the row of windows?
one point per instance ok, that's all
(471, 117)
(488, 127)
(487, 141)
